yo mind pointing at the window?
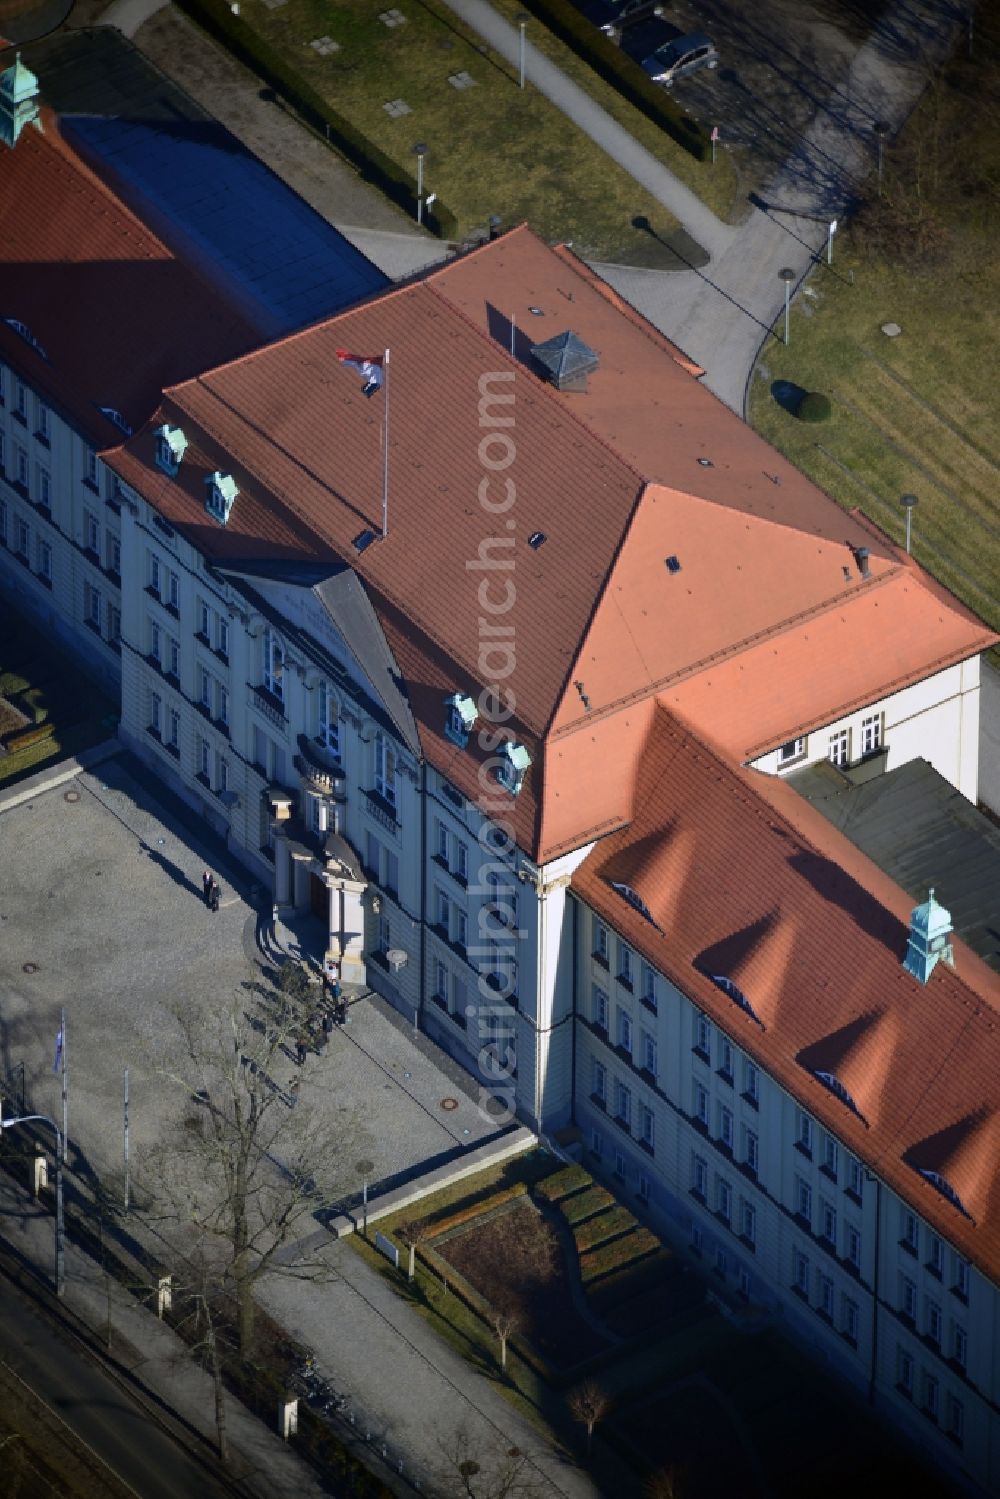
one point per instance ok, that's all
(648, 1054)
(155, 712)
(599, 1084)
(443, 912)
(153, 573)
(221, 635)
(827, 1222)
(831, 1157)
(852, 1246)
(624, 1030)
(204, 689)
(460, 935)
(700, 1105)
(642, 1190)
(221, 704)
(328, 723)
(723, 1199)
(840, 747)
(751, 1083)
(803, 1200)
(803, 1132)
(173, 592)
(904, 1372)
(90, 468)
(699, 1177)
(956, 1420)
(743, 1281)
(20, 400)
(173, 728)
(204, 615)
(794, 750)
(750, 1150)
(907, 1298)
(114, 555)
(155, 644)
(648, 986)
(647, 1126)
(748, 1222)
(725, 1059)
(173, 666)
(849, 1320)
(855, 1178)
(702, 1036)
(274, 666)
(960, 1277)
(461, 870)
(596, 1142)
(620, 1165)
(442, 844)
(441, 982)
(932, 1321)
(824, 1296)
(623, 1105)
(91, 533)
(935, 1255)
(625, 965)
(871, 734)
(931, 1395)
(204, 759)
(908, 1231)
(721, 1264)
(601, 942)
(43, 561)
(44, 429)
(385, 770)
(959, 1344)
(22, 538)
(43, 488)
(726, 1126)
(800, 1273)
(599, 1007)
(21, 469)
(391, 878)
(92, 607)
(114, 625)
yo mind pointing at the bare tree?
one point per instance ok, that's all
(488, 1469)
(505, 1322)
(254, 1163)
(665, 1483)
(414, 1233)
(589, 1404)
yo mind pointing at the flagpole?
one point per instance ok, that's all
(385, 451)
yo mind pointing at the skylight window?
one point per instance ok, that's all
(536, 539)
(634, 899)
(736, 995)
(514, 762)
(364, 539)
(222, 492)
(946, 1189)
(836, 1087)
(460, 715)
(673, 565)
(171, 445)
(23, 331)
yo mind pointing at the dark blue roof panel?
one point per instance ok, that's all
(217, 205)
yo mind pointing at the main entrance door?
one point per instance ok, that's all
(319, 898)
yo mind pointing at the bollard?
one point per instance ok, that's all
(288, 1416)
(41, 1173)
(164, 1295)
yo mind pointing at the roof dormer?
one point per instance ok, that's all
(19, 103)
(460, 715)
(514, 762)
(170, 448)
(222, 492)
(930, 928)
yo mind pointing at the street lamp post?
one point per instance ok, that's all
(788, 276)
(522, 18)
(420, 151)
(60, 1226)
(829, 241)
(365, 1168)
(908, 502)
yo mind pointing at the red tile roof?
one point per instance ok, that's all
(116, 314)
(765, 562)
(744, 880)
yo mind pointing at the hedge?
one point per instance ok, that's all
(585, 1204)
(617, 68)
(569, 1179)
(813, 407)
(623, 1251)
(26, 737)
(439, 1226)
(375, 165)
(601, 1227)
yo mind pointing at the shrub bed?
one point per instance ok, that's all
(813, 407)
(569, 1179)
(375, 165)
(27, 737)
(622, 1251)
(618, 69)
(438, 1226)
(602, 1226)
(633, 1280)
(585, 1204)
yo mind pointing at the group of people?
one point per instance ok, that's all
(211, 889)
(321, 1022)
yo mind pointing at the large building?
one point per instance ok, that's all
(498, 657)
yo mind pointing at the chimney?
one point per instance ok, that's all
(930, 928)
(862, 554)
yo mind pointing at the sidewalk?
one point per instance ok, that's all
(578, 106)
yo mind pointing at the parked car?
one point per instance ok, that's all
(613, 15)
(645, 38)
(684, 55)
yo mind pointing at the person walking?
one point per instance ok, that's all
(300, 1051)
(206, 886)
(214, 895)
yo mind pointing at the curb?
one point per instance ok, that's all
(59, 774)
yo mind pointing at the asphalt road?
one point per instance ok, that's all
(96, 1407)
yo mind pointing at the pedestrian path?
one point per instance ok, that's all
(711, 233)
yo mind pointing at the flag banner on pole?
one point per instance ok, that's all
(368, 366)
(59, 1050)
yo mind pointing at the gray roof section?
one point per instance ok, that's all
(916, 827)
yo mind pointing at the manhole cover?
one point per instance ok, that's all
(29, 967)
(71, 796)
(448, 1104)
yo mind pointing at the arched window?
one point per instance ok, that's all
(274, 665)
(328, 727)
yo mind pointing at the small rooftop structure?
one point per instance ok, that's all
(18, 100)
(566, 360)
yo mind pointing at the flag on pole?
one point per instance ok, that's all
(368, 366)
(59, 1050)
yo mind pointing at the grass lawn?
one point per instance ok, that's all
(45, 688)
(917, 413)
(491, 148)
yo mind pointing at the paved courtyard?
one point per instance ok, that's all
(101, 913)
